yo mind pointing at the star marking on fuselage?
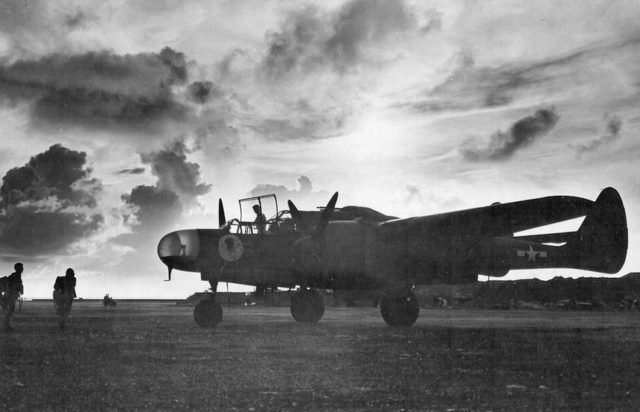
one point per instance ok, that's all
(532, 254)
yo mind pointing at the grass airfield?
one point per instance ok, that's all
(152, 356)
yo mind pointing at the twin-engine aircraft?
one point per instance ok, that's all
(357, 248)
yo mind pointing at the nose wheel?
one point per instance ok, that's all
(400, 310)
(208, 313)
(307, 305)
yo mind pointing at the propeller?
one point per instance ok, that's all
(222, 220)
(297, 217)
(327, 212)
(325, 217)
(309, 250)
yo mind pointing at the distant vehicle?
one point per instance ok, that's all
(357, 248)
(108, 301)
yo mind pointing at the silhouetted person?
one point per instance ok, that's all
(64, 291)
(261, 220)
(108, 301)
(12, 291)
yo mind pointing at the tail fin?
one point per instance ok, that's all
(602, 240)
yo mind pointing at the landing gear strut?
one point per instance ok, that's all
(307, 305)
(208, 312)
(400, 310)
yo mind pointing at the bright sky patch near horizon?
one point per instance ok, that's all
(122, 121)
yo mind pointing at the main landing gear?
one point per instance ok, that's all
(400, 309)
(307, 305)
(208, 312)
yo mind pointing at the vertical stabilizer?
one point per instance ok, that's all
(602, 240)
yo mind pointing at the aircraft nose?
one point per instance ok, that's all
(169, 246)
(181, 246)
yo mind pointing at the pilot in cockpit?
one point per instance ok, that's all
(261, 219)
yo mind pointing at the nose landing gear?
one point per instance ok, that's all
(307, 305)
(208, 313)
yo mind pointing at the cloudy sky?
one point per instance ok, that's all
(123, 120)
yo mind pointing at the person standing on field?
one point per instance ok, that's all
(10, 290)
(64, 291)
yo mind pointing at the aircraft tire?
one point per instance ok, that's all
(400, 310)
(307, 306)
(207, 313)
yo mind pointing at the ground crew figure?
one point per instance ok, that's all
(64, 291)
(11, 291)
(261, 219)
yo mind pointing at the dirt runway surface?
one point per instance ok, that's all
(151, 356)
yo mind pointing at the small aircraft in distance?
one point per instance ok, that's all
(357, 248)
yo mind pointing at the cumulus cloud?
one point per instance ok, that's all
(503, 145)
(98, 89)
(310, 39)
(313, 69)
(49, 203)
(612, 133)
(176, 190)
(303, 193)
(175, 173)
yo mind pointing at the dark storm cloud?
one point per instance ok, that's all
(98, 89)
(309, 39)
(612, 133)
(153, 206)
(178, 186)
(48, 204)
(54, 173)
(201, 92)
(503, 145)
(134, 171)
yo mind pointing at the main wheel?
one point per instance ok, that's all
(207, 313)
(400, 310)
(307, 305)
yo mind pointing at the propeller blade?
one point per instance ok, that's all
(222, 220)
(297, 217)
(325, 217)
